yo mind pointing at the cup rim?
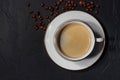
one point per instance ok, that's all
(92, 41)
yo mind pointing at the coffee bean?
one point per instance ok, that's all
(72, 8)
(35, 27)
(63, 8)
(96, 12)
(91, 2)
(46, 7)
(88, 4)
(48, 20)
(60, 0)
(38, 13)
(87, 9)
(56, 7)
(68, 1)
(55, 4)
(57, 13)
(51, 13)
(40, 17)
(42, 4)
(40, 23)
(58, 3)
(41, 27)
(75, 4)
(54, 15)
(97, 6)
(47, 17)
(81, 3)
(84, 4)
(69, 5)
(90, 9)
(44, 28)
(51, 9)
(34, 16)
(92, 6)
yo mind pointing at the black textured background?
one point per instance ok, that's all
(23, 55)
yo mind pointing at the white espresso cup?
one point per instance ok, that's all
(94, 40)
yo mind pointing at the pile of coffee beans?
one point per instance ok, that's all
(89, 6)
(59, 7)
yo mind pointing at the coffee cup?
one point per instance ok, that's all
(75, 40)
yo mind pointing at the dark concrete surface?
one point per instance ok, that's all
(23, 55)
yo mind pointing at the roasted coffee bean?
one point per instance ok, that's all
(47, 17)
(56, 7)
(38, 13)
(60, 0)
(35, 27)
(42, 4)
(46, 7)
(48, 20)
(51, 13)
(96, 12)
(97, 6)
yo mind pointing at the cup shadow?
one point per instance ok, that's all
(97, 48)
(98, 45)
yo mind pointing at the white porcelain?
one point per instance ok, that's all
(93, 39)
(98, 36)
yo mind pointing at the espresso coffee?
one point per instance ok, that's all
(75, 40)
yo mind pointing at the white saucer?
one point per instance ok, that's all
(81, 64)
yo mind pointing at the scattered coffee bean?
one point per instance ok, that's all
(62, 5)
(34, 18)
(40, 23)
(44, 28)
(91, 2)
(41, 27)
(42, 5)
(56, 7)
(81, 3)
(75, 4)
(55, 4)
(90, 9)
(84, 4)
(97, 6)
(92, 6)
(40, 17)
(46, 7)
(96, 12)
(51, 13)
(61, 0)
(72, 8)
(87, 9)
(88, 4)
(58, 3)
(47, 17)
(52, 9)
(35, 27)
(48, 20)
(38, 13)
(49, 8)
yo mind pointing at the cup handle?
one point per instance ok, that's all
(99, 39)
